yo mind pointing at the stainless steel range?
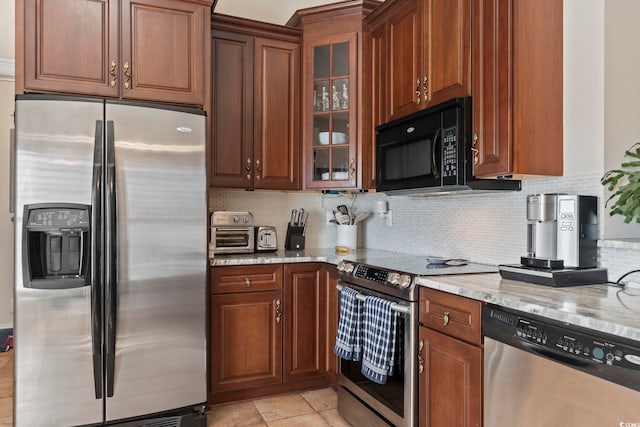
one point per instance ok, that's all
(360, 400)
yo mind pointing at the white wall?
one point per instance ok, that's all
(622, 94)
(7, 25)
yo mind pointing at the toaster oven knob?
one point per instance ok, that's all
(393, 278)
(404, 281)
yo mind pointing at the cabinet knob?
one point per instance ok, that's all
(420, 359)
(352, 168)
(418, 91)
(248, 167)
(247, 282)
(475, 151)
(445, 318)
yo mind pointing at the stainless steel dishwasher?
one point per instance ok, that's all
(539, 372)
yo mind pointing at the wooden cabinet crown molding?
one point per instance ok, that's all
(330, 11)
(228, 23)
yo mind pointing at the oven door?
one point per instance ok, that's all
(396, 400)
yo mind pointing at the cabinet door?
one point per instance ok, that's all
(277, 115)
(492, 87)
(450, 384)
(330, 134)
(447, 50)
(304, 311)
(376, 69)
(246, 340)
(404, 77)
(330, 273)
(163, 51)
(71, 46)
(231, 162)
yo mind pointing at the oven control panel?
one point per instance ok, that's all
(373, 274)
(577, 345)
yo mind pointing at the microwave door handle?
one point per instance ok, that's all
(435, 164)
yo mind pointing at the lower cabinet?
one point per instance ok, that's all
(330, 273)
(267, 330)
(450, 361)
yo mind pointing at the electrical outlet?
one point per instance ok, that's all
(389, 218)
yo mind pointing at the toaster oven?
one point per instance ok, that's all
(232, 233)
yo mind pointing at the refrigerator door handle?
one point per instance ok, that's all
(111, 275)
(96, 255)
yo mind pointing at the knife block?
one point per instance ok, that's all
(295, 238)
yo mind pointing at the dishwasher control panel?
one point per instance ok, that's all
(579, 345)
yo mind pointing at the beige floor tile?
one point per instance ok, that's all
(322, 399)
(6, 407)
(234, 415)
(279, 407)
(333, 418)
(310, 420)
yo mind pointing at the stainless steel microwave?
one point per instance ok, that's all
(430, 152)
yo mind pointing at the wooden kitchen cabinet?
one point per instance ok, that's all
(255, 116)
(149, 50)
(304, 314)
(336, 156)
(267, 331)
(517, 88)
(332, 313)
(450, 360)
(428, 53)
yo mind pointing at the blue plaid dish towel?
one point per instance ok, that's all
(379, 339)
(348, 338)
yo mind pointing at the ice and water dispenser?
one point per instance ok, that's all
(56, 246)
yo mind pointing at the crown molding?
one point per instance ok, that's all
(7, 69)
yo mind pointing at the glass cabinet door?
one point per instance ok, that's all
(332, 138)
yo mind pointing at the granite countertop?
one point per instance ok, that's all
(603, 308)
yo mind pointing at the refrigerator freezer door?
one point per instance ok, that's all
(161, 236)
(54, 372)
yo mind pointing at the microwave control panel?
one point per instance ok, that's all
(449, 153)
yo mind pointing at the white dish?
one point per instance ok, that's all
(340, 175)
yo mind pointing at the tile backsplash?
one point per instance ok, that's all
(485, 227)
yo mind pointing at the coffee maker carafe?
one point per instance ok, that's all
(562, 231)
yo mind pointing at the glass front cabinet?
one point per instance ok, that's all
(331, 132)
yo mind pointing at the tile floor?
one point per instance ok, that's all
(6, 388)
(315, 408)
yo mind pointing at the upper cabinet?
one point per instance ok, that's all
(146, 49)
(335, 153)
(255, 111)
(428, 53)
(517, 88)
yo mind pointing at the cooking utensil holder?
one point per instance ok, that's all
(295, 238)
(347, 236)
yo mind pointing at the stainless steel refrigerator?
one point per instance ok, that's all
(110, 271)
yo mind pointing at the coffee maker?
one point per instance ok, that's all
(562, 235)
(562, 231)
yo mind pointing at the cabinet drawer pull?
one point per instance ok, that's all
(425, 88)
(445, 318)
(248, 167)
(127, 74)
(352, 168)
(420, 359)
(278, 312)
(112, 73)
(247, 282)
(418, 91)
(258, 169)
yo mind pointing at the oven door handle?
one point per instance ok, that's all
(400, 308)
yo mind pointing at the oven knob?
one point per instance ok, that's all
(404, 281)
(393, 278)
(340, 266)
(348, 268)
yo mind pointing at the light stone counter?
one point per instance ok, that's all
(602, 308)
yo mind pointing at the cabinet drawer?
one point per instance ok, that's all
(452, 315)
(244, 278)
